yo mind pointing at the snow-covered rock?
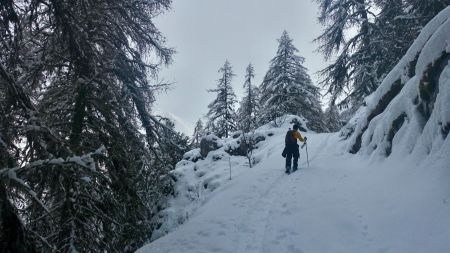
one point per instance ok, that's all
(410, 111)
(193, 155)
(208, 143)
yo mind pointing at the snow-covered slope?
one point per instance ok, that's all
(196, 178)
(340, 204)
(409, 114)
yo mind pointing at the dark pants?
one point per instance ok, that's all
(292, 151)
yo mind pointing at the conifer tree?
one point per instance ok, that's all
(381, 32)
(173, 144)
(288, 89)
(423, 11)
(247, 113)
(221, 114)
(353, 72)
(75, 92)
(199, 132)
(332, 117)
(393, 34)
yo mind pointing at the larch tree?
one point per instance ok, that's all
(199, 132)
(80, 151)
(221, 114)
(249, 106)
(393, 34)
(352, 74)
(423, 11)
(365, 39)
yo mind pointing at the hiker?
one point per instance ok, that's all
(291, 149)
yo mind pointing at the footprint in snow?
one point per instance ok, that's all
(292, 249)
(221, 233)
(203, 233)
(190, 247)
(286, 212)
(294, 233)
(216, 249)
(280, 236)
(384, 249)
(221, 224)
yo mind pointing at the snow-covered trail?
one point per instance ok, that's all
(339, 204)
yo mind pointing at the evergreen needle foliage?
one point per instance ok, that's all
(221, 114)
(365, 39)
(287, 88)
(82, 159)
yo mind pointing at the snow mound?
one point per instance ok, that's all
(193, 155)
(197, 178)
(409, 114)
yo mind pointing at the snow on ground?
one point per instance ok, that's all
(341, 203)
(197, 179)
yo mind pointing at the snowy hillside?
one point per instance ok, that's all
(196, 178)
(340, 204)
(409, 114)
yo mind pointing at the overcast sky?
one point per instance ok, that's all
(207, 32)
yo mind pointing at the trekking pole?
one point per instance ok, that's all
(307, 157)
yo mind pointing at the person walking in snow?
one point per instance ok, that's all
(291, 149)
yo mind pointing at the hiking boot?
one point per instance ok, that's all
(288, 170)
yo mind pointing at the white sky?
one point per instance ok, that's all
(207, 32)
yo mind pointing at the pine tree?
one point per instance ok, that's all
(288, 89)
(199, 132)
(221, 114)
(247, 113)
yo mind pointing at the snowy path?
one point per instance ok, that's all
(338, 205)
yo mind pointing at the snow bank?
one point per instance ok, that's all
(193, 155)
(409, 114)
